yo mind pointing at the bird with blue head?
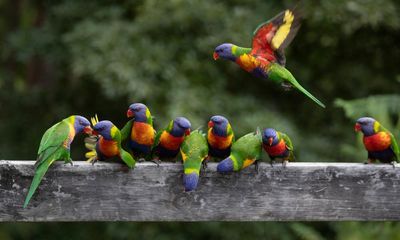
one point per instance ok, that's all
(277, 145)
(220, 137)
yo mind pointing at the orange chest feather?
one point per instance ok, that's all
(249, 62)
(219, 142)
(276, 150)
(377, 142)
(109, 148)
(142, 133)
(170, 142)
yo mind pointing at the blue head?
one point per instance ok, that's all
(224, 51)
(103, 128)
(181, 127)
(219, 125)
(270, 137)
(81, 124)
(225, 165)
(190, 181)
(139, 111)
(366, 125)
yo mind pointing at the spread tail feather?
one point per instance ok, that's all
(40, 172)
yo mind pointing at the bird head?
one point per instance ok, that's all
(367, 125)
(224, 51)
(137, 111)
(182, 125)
(103, 128)
(218, 124)
(270, 137)
(81, 124)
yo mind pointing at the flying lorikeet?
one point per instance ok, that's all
(244, 152)
(277, 145)
(266, 59)
(108, 145)
(139, 130)
(55, 145)
(169, 140)
(219, 137)
(378, 141)
(194, 150)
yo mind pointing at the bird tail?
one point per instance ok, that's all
(225, 165)
(40, 172)
(127, 158)
(190, 181)
(308, 94)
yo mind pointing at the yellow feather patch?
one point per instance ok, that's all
(113, 130)
(376, 126)
(248, 162)
(94, 120)
(191, 170)
(234, 161)
(184, 157)
(283, 30)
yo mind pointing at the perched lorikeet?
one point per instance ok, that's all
(219, 137)
(139, 130)
(378, 141)
(194, 150)
(108, 145)
(278, 145)
(244, 152)
(55, 145)
(266, 59)
(169, 140)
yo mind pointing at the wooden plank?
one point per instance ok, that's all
(110, 192)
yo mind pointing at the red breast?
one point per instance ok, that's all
(275, 150)
(170, 142)
(377, 142)
(109, 148)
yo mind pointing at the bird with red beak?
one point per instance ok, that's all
(169, 140)
(277, 145)
(220, 137)
(379, 142)
(139, 130)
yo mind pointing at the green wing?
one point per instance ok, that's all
(52, 139)
(289, 145)
(127, 158)
(280, 74)
(395, 147)
(126, 130)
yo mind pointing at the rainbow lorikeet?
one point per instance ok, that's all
(55, 145)
(378, 141)
(265, 59)
(244, 152)
(277, 145)
(220, 137)
(108, 145)
(169, 140)
(194, 150)
(139, 130)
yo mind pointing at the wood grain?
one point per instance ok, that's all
(111, 192)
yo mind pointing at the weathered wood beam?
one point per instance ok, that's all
(110, 192)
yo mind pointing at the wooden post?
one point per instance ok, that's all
(111, 192)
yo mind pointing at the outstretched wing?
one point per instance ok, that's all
(272, 37)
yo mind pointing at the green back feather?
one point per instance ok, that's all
(195, 148)
(247, 147)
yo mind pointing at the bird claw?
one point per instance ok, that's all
(272, 163)
(393, 163)
(256, 166)
(141, 160)
(204, 164)
(156, 161)
(284, 163)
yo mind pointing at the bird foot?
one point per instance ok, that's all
(286, 86)
(156, 161)
(369, 161)
(284, 163)
(256, 166)
(204, 164)
(272, 163)
(141, 160)
(393, 163)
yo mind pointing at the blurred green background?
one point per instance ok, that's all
(84, 57)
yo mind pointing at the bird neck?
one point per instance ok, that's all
(239, 51)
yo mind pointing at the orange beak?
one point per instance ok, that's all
(88, 130)
(215, 56)
(270, 140)
(357, 127)
(129, 113)
(187, 132)
(210, 124)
